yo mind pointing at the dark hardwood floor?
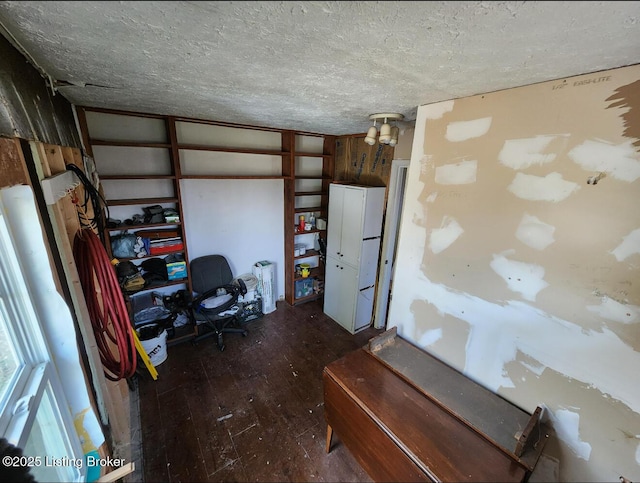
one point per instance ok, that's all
(253, 412)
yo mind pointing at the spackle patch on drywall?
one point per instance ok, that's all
(442, 238)
(436, 111)
(430, 337)
(595, 357)
(425, 164)
(523, 153)
(464, 130)
(535, 233)
(613, 310)
(538, 369)
(525, 278)
(566, 424)
(532, 365)
(630, 245)
(551, 187)
(618, 161)
(463, 172)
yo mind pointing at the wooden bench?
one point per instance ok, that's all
(407, 416)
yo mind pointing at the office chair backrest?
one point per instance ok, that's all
(209, 272)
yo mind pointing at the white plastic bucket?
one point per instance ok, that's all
(251, 281)
(156, 348)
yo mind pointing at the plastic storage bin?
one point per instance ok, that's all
(304, 287)
(177, 270)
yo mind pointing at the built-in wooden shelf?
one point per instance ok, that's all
(130, 144)
(313, 155)
(182, 281)
(141, 226)
(136, 176)
(226, 176)
(225, 149)
(141, 201)
(311, 193)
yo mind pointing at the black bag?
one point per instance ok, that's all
(154, 269)
(125, 270)
(129, 277)
(153, 214)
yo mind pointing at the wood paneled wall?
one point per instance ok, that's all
(357, 162)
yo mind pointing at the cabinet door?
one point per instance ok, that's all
(369, 253)
(334, 228)
(344, 236)
(352, 213)
(341, 283)
(364, 309)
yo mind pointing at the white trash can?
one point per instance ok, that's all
(251, 281)
(156, 348)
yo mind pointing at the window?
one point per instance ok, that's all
(34, 414)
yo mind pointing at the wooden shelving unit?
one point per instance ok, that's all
(310, 175)
(100, 130)
(305, 164)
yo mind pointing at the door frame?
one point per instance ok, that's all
(393, 213)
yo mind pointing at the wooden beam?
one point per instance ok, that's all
(12, 164)
(117, 474)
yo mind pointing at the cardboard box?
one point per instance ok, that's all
(177, 270)
(265, 273)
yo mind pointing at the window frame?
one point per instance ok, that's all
(37, 374)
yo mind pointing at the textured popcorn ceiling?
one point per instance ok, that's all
(313, 66)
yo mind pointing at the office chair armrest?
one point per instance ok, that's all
(234, 290)
(231, 289)
(196, 301)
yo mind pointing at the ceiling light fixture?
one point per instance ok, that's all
(388, 134)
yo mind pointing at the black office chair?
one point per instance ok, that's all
(215, 298)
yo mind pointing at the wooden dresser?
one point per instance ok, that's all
(406, 416)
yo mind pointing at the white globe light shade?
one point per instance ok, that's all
(385, 134)
(395, 132)
(371, 136)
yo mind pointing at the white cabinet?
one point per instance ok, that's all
(340, 283)
(353, 246)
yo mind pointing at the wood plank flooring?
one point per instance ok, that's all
(253, 412)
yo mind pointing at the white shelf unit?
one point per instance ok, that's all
(353, 249)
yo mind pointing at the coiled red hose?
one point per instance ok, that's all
(107, 310)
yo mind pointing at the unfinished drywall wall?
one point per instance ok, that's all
(519, 257)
